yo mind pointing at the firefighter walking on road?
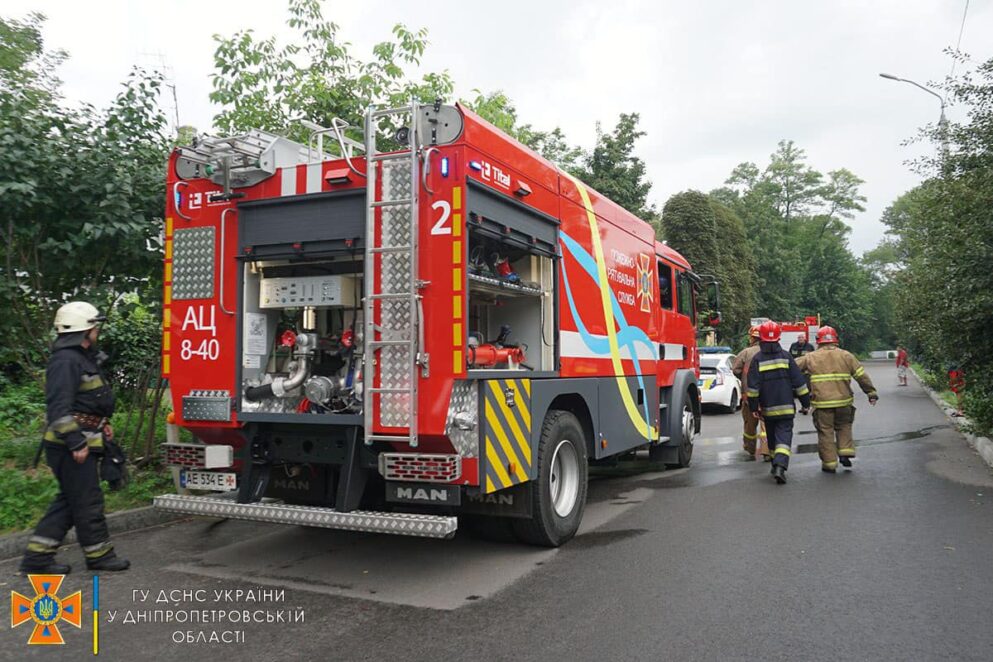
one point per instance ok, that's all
(774, 382)
(752, 431)
(79, 403)
(831, 370)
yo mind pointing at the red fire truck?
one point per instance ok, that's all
(793, 331)
(432, 322)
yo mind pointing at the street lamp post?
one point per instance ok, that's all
(942, 122)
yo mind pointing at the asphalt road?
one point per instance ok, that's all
(890, 561)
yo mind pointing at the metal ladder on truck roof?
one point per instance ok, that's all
(392, 304)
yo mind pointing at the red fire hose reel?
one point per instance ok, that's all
(488, 355)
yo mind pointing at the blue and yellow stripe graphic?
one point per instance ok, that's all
(96, 614)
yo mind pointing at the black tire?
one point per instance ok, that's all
(677, 430)
(561, 439)
(735, 403)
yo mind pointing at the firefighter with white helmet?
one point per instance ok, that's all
(752, 430)
(831, 370)
(774, 382)
(79, 402)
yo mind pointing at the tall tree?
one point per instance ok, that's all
(689, 225)
(736, 273)
(81, 190)
(944, 232)
(613, 169)
(795, 185)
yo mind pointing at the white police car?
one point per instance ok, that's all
(718, 385)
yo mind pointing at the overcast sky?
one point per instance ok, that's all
(716, 83)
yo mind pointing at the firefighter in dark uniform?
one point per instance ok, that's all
(79, 403)
(800, 347)
(774, 381)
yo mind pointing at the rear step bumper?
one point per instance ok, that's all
(402, 524)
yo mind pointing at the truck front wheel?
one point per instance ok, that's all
(558, 496)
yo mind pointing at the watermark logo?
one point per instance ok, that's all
(46, 609)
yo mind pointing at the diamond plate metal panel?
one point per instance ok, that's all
(396, 180)
(207, 406)
(464, 398)
(193, 263)
(396, 316)
(404, 524)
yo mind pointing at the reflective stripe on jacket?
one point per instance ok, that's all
(831, 370)
(774, 381)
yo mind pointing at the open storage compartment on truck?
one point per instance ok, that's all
(511, 283)
(301, 308)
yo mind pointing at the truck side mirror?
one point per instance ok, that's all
(711, 303)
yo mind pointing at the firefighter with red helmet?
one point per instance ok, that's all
(774, 382)
(753, 429)
(831, 370)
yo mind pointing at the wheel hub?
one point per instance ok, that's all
(564, 479)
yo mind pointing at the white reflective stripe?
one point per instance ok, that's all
(48, 542)
(573, 347)
(97, 547)
(314, 172)
(289, 181)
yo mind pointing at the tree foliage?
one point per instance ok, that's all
(81, 191)
(316, 77)
(944, 240)
(794, 219)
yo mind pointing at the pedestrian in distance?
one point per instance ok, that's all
(831, 370)
(956, 383)
(774, 383)
(902, 365)
(79, 403)
(800, 347)
(753, 430)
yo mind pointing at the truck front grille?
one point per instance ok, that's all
(420, 467)
(191, 456)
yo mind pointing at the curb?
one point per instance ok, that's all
(12, 545)
(982, 445)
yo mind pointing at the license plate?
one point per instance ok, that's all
(208, 480)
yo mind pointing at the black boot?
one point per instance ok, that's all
(43, 567)
(845, 461)
(108, 562)
(779, 473)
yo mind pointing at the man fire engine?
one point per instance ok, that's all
(388, 338)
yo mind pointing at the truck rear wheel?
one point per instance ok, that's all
(683, 430)
(558, 497)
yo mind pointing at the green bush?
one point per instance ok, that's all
(24, 496)
(22, 406)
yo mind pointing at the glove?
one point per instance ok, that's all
(805, 411)
(873, 399)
